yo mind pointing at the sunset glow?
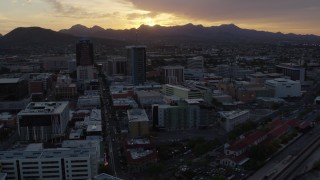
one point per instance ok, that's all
(285, 15)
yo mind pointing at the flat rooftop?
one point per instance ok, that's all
(139, 153)
(147, 93)
(281, 80)
(80, 144)
(139, 141)
(136, 115)
(5, 116)
(44, 108)
(9, 80)
(233, 114)
(44, 154)
(194, 101)
(94, 128)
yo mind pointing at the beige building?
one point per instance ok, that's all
(138, 123)
(64, 88)
(181, 92)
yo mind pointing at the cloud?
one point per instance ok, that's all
(232, 10)
(72, 11)
(134, 16)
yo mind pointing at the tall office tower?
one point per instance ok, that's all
(84, 52)
(137, 64)
(85, 67)
(117, 66)
(172, 74)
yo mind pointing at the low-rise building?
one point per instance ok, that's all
(181, 92)
(43, 121)
(147, 98)
(64, 88)
(231, 119)
(285, 87)
(140, 153)
(8, 119)
(62, 163)
(138, 123)
(88, 102)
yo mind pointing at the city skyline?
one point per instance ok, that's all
(287, 16)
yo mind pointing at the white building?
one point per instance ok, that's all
(49, 164)
(231, 119)
(285, 87)
(146, 98)
(93, 145)
(43, 121)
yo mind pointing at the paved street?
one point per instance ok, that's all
(111, 137)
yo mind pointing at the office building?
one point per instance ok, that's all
(50, 164)
(40, 82)
(294, 71)
(140, 153)
(64, 88)
(52, 64)
(43, 121)
(117, 66)
(169, 117)
(284, 87)
(147, 98)
(195, 62)
(172, 74)
(181, 91)
(84, 52)
(138, 123)
(187, 114)
(13, 88)
(137, 64)
(231, 119)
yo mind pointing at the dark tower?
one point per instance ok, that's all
(137, 64)
(84, 52)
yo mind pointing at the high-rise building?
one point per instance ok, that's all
(137, 64)
(172, 74)
(84, 53)
(117, 66)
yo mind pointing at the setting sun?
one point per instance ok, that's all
(149, 21)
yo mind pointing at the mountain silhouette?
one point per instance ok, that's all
(222, 33)
(46, 39)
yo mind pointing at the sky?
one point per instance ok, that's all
(287, 16)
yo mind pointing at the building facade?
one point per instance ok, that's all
(117, 66)
(137, 58)
(172, 74)
(43, 121)
(84, 52)
(284, 87)
(294, 71)
(138, 123)
(231, 119)
(51, 164)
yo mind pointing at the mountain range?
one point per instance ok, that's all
(24, 39)
(40, 38)
(222, 33)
